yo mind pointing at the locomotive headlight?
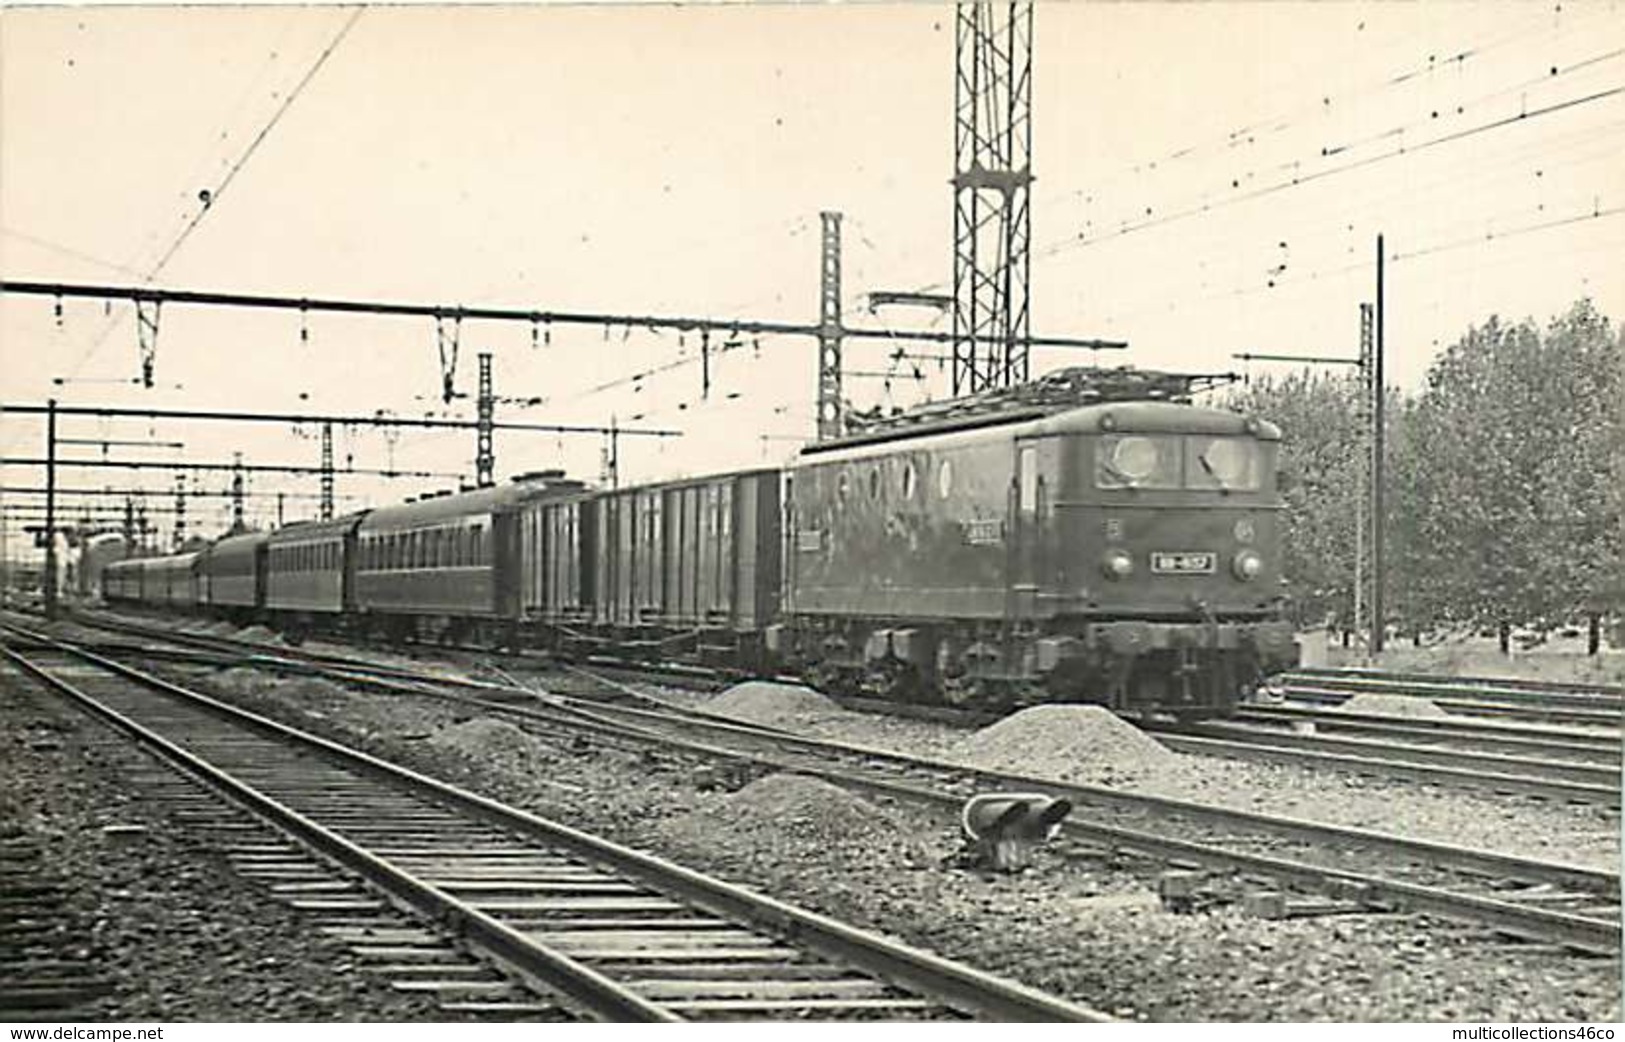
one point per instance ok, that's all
(1247, 565)
(1117, 564)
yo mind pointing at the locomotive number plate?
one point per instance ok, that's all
(1182, 564)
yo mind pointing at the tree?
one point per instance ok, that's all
(1510, 509)
(1321, 418)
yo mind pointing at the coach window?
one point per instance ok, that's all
(841, 485)
(874, 482)
(479, 544)
(910, 479)
(945, 478)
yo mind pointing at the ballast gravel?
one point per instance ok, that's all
(153, 915)
(1074, 744)
(1091, 930)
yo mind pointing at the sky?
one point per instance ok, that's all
(1197, 200)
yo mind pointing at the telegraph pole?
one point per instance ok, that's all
(1362, 516)
(50, 510)
(180, 510)
(327, 472)
(1379, 622)
(237, 493)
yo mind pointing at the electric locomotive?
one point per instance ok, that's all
(1125, 553)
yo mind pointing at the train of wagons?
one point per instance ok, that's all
(1125, 553)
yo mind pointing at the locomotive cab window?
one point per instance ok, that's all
(1028, 467)
(1137, 461)
(1225, 464)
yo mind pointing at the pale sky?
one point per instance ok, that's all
(643, 159)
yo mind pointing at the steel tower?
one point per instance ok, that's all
(992, 177)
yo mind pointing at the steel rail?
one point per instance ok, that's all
(953, 984)
(1517, 738)
(653, 720)
(1585, 932)
(1576, 696)
(1580, 783)
(594, 992)
(1525, 710)
(1509, 683)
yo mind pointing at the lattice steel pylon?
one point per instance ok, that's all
(327, 472)
(992, 178)
(831, 409)
(485, 458)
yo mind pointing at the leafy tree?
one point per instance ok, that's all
(1321, 419)
(1509, 510)
(1505, 479)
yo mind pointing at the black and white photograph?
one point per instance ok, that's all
(888, 513)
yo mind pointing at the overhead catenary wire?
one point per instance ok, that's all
(231, 174)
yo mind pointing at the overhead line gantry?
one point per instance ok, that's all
(830, 331)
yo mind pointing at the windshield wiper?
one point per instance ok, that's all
(1202, 459)
(1117, 475)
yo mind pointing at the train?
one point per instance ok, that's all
(1125, 553)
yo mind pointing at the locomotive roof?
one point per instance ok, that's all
(465, 504)
(1149, 417)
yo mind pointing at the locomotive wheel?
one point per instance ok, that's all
(893, 681)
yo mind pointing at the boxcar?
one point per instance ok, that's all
(557, 541)
(698, 557)
(307, 567)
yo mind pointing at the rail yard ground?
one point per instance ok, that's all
(148, 921)
(1092, 930)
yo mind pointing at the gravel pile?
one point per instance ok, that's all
(1068, 743)
(787, 706)
(149, 906)
(795, 817)
(1377, 704)
(493, 742)
(261, 634)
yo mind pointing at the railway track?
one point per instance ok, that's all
(1540, 900)
(1562, 780)
(578, 922)
(1510, 687)
(1562, 766)
(1587, 705)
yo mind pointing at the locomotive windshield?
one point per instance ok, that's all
(1137, 461)
(1222, 463)
(1171, 461)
